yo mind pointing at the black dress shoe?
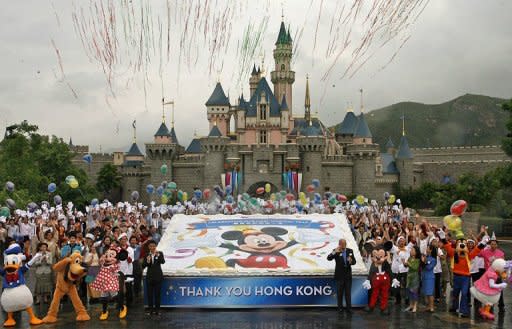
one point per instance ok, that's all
(349, 311)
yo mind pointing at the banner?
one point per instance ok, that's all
(239, 292)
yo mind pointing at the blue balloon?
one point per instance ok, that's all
(327, 195)
(9, 186)
(135, 195)
(229, 199)
(318, 198)
(198, 194)
(316, 183)
(160, 190)
(32, 206)
(299, 207)
(150, 189)
(87, 158)
(94, 202)
(52, 187)
(229, 189)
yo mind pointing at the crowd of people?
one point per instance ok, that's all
(420, 254)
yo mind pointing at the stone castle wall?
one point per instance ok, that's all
(463, 153)
(93, 169)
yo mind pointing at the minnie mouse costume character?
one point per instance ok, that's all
(264, 246)
(379, 280)
(108, 283)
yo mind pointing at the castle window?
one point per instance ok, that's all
(263, 137)
(307, 168)
(263, 112)
(283, 67)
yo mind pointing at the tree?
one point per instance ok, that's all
(108, 179)
(32, 161)
(506, 144)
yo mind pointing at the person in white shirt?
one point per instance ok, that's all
(126, 267)
(27, 229)
(438, 269)
(401, 253)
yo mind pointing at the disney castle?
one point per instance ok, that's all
(273, 142)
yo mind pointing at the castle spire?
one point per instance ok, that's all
(163, 110)
(134, 125)
(403, 124)
(307, 102)
(362, 104)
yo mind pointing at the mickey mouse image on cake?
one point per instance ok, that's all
(263, 245)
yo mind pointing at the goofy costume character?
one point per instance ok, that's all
(460, 261)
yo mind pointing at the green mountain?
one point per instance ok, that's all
(466, 120)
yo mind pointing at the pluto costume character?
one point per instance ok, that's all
(16, 296)
(487, 290)
(69, 272)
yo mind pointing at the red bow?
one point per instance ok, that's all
(12, 277)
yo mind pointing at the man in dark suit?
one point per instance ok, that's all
(154, 277)
(344, 258)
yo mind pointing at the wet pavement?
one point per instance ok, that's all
(309, 318)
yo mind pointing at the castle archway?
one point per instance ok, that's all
(252, 189)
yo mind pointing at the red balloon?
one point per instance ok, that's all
(269, 205)
(206, 193)
(458, 208)
(290, 197)
(342, 198)
(310, 188)
(260, 190)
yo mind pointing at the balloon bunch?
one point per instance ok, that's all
(453, 221)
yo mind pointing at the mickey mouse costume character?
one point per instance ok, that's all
(16, 296)
(379, 280)
(108, 283)
(264, 246)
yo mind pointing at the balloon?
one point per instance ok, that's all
(198, 194)
(333, 201)
(160, 190)
(69, 179)
(229, 189)
(342, 198)
(87, 158)
(268, 188)
(458, 208)
(302, 196)
(5, 212)
(32, 206)
(260, 190)
(73, 184)
(254, 201)
(164, 199)
(150, 189)
(167, 193)
(172, 186)
(10, 203)
(229, 199)
(57, 200)
(164, 184)
(327, 195)
(9, 186)
(206, 193)
(453, 223)
(290, 197)
(163, 169)
(185, 196)
(219, 191)
(135, 195)
(180, 195)
(360, 199)
(316, 183)
(94, 202)
(273, 197)
(392, 199)
(310, 188)
(52, 187)
(246, 196)
(299, 207)
(386, 195)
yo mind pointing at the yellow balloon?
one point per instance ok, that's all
(185, 196)
(73, 184)
(164, 199)
(360, 199)
(273, 197)
(453, 223)
(392, 199)
(268, 188)
(302, 195)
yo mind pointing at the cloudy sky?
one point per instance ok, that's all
(455, 47)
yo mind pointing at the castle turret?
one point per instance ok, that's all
(404, 163)
(253, 80)
(283, 77)
(307, 103)
(344, 131)
(390, 147)
(214, 147)
(218, 110)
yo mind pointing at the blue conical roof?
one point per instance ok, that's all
(362, 129)
(162, 130)
(218, 97)
(283, 38)
(195, 146)
(172, 135)
(284, 105)
(134, 150)
(311, 131)
(348, 125)
(404, 152)
(215, 132)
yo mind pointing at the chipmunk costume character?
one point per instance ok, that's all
(108, 282)
(379, 280)
(69, 272)
(487, 290)
(16, 296)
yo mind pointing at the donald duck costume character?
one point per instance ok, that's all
(16, 296)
